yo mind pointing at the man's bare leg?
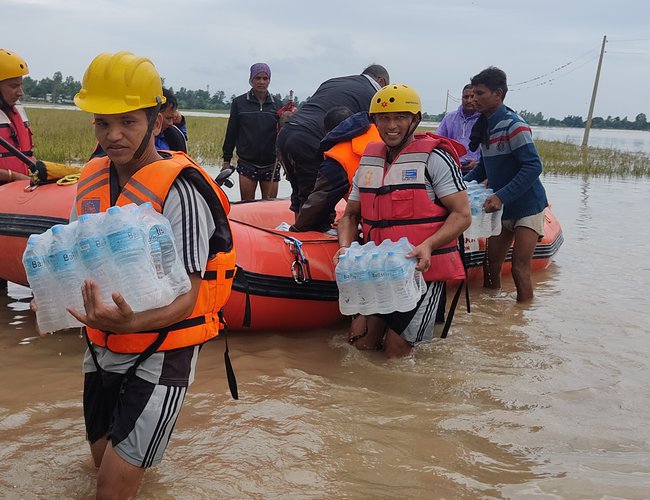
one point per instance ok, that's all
(269, 189)
(247, 188)
(116, 478)
(522, 257)
(497, 249)
(395, 346)
(371, 341)
(97, 450)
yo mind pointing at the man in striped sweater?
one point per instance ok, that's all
(512, 167)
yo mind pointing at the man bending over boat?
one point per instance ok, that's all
(407, 185)
(139, 364)
(511, 165)
(299, 140)
(347, 137)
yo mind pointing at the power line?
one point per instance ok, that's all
(628, 52)
(629, 40)
(559, 68)
(551, 80)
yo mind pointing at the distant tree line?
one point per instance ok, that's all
(639, 123)
(61, 90)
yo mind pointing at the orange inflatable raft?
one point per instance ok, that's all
(284, 281)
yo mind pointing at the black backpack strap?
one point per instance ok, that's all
(452, 309)
(153, 347)
(230, 373)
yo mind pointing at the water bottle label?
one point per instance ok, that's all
(160, 234)
(126, 239)
(36, 265)
(92, 248)
(62, 260)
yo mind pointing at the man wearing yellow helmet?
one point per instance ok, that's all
(138, 364)
(14, 127)
(408, 185)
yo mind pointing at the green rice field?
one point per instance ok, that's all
(66, 136)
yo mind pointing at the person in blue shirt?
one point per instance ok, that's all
(171, 137)
(510, 163)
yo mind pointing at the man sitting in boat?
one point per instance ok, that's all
(14, 126)
(347, 137)
(407, 185)
(139, 364)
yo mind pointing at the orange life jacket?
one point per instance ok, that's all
(152, 183)
(14, 128)
(394, 201)
(349, 153)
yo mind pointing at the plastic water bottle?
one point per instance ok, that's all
(399, 281)
(162, 248)
(353, 251)
(365, 287)
(63, 262)
(383, 298)
(404, 247)
(135, 271)
(475, 205)
(95, 254)
(50, 314)
(348, 296)
(159, 229)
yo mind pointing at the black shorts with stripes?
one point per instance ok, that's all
(138, 422)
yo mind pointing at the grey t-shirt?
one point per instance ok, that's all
(192, 224)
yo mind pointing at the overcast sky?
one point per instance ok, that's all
(433, 45)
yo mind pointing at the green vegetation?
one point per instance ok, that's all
(640, 121)
(67, 136)
(570, 159)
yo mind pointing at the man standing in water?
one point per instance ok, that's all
(138, 364)
(252, 129)
(511, 165)
(408, 185)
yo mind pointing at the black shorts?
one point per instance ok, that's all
(138, 422)
(265, 173)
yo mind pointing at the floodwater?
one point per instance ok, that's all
(548, 400)
(634, 141)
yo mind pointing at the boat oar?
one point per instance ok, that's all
(17, 153)
(41, 171)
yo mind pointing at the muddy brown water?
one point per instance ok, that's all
(549, 400)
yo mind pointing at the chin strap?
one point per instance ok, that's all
(151, 125)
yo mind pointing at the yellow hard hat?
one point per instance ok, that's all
(11, 65)
(119, 83)
(396, 98)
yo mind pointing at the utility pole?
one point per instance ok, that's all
(447, 101)
(585, 139)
